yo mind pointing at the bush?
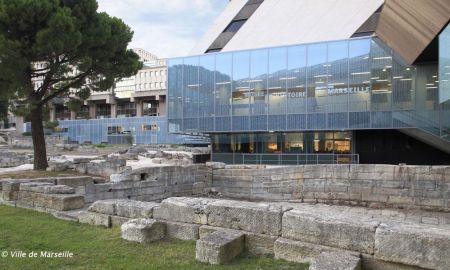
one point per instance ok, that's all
(51, 124)
(129, 139)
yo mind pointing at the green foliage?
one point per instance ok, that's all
(129, 139)
(51, 124)
(95, 247)
(55, 48)
(74, 104)
(65, 43)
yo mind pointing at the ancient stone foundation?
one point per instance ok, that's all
(350, 236)
(379, 186)
(374, 216)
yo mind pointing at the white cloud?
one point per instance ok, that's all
(166, 28)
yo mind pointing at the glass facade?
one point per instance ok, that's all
(145, 130)
(330, 86)
(290, 148)
(444, 83)
(349, 84)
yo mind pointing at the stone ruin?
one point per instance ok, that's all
(355, 216)
(13, 159)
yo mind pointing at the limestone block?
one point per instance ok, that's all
(300, 252)
(94, 219)
(135, 209)
(370, 263)
(118, 221)
(260, 244)
(143, 230)
(425, 246)
(335, 261)
(330, 226)
(52, 189)
(107, 207)
(10, 190)
(219, 247)
(259, 218)
(58, 202)
(216, 165)
(31, 186)
(255, 244)
(120, 177)
(75, 181)
(184, 209)
(182, 231)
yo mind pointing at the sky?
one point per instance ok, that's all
(166, 28)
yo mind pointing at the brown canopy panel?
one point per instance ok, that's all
(410, 26)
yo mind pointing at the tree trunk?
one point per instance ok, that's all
(37, 132)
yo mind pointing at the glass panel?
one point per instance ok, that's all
(323, 142)
(277, 80)
(444, 85)
(241, 85)
(359, 74)
(296, 84)
(381, 78)
(337, 100)
(258, 82)
(223, 84)
(175, 86)
(403, 87)
(317, 78)
(191, 88)
(206, 94)
(294, 143)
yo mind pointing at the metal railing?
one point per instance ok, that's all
(286, 159)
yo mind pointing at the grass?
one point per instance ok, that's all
(100, 248)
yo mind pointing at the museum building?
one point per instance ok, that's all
(308, 82)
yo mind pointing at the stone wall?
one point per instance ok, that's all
(153, 183)
(422, 187)
(14, 159)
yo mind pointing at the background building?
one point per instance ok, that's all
(332, 81)
(135, 106)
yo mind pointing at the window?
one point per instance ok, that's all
(150, 108)
(235, 26)
(126, 109)
(152, 127)
(62, 112)
(83, 113)
(103, 110)
(151, 73)
(113, 130)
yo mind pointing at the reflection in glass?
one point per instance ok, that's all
(278, 80)
(317, 77)
(296, 79)
(241, 85)
(224, 62)
(206, 86)
(258, 82)
(381, 78)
